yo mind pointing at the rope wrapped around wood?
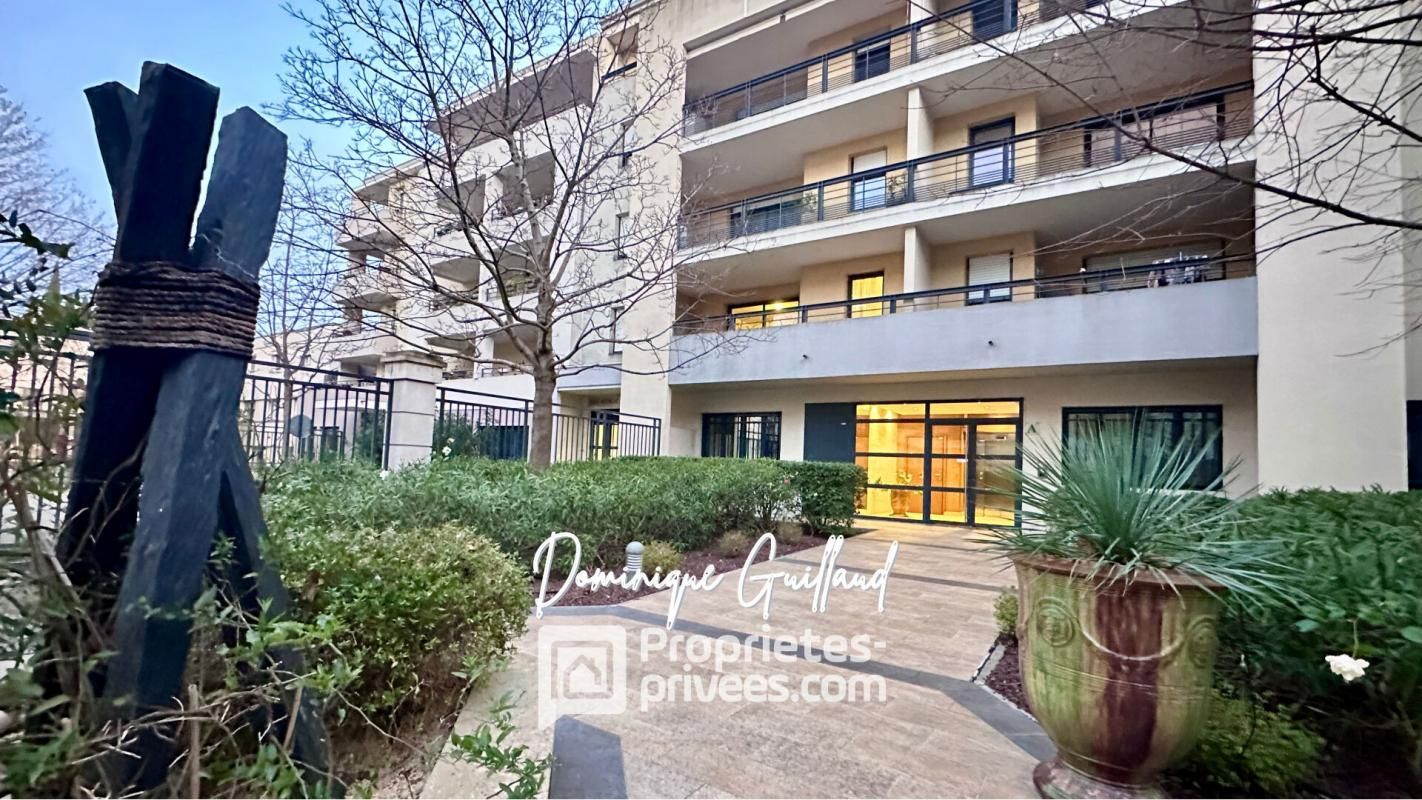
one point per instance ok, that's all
(168, 305)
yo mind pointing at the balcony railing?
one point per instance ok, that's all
(963, 25)
(1178, 122)
(1172, 273)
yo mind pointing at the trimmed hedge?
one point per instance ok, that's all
(685, 501)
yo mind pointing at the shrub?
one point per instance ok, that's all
(829, 493)
(1360, 552)
(789, 532)
(1004, 610)
(1247, 749)
(733, 543)
(660, 557)
(685, 501)
(413, 604)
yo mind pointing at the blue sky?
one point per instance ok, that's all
(53, 50)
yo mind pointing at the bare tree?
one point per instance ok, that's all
(516, 205)
(299, 313)
(45, 197)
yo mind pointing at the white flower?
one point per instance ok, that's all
(446, 451)
(1346, 667)
(384, 473)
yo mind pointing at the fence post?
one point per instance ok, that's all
(413, 377)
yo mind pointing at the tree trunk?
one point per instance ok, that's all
(540, 441)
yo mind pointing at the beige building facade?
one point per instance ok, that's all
(925, 235)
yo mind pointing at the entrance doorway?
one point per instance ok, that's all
(940, 461)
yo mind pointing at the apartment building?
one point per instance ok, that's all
(937, 231)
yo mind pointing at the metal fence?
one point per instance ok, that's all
(45, 399)
(960, 26)
(311, 414)
(285, 413)
(951, 29)
(471, 423)
(1192, 120)
(1146, 276)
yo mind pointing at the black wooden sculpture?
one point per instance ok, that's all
(172, 338)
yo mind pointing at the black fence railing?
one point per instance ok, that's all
(284, 413)
(45, 399)
(957, 27)
(472, 423)
(1168, 125)
(313, 414)
(1167, 273)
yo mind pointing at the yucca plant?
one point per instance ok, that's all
(1122, 562)
(1124, 501)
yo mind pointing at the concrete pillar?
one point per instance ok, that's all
(1332, 299)
(921, 9)
(918, 261)
(412, 404)
(920, 125)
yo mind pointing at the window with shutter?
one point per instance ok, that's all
(993, 269)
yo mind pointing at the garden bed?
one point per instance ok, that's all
(1005, 678)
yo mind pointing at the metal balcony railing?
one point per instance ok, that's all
(1171, 273)
(957, 27)
(1171, 124)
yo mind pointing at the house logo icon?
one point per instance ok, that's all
(582, 669)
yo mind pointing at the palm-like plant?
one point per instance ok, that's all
(1121, 502)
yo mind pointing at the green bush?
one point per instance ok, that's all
(733, 543)
(660, 557)
(1361, 555)
(412, 604)
(685, 501)
(1004, 610)
(1246, 749)
(829, 493)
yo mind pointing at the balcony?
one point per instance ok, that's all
(1168, 125)
(952, 29)
(1149, 276)
(1190, 309)
(369, 283)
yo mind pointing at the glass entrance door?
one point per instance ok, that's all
(994, 489)
(939, 462)
(948, 473)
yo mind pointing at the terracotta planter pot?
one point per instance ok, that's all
(1118, 674)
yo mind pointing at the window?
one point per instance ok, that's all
(865, 286)
(1165, 125)
(620, 237)
(993, 269)
(994, 18)
(751, 316)
(871, 61)
(767, 216)
(1200, 425)
(624, 157)
(869, 192)
(749, 435)
(990, 165)
(613, 324)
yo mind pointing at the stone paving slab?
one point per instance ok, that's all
(921, 728)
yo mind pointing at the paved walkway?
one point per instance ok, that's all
(918, 728)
